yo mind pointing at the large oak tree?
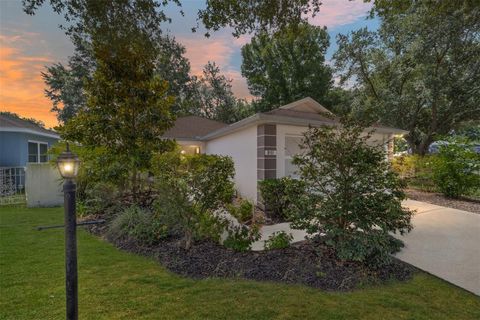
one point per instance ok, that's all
(420, 71)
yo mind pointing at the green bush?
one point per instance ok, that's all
(278, 240)
(456, 170)
(190, 188)
(276, 195)
(241, 237)
(351, 195)
(138, 224)
(415, 170)
(243, 212)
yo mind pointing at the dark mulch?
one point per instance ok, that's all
(466, 204)
(303, 263)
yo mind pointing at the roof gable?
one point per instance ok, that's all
(306, 105)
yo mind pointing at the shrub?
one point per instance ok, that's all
(276, 195)
(350, 195)
(241, 237)
(278, 240)
(243, 211)
(190, 189)
(456, 170)
(138, 224)
(415, 170)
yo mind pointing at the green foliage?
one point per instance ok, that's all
(191, 188)
(277, 195)
(456, 170)
(213, 97)
(351, 195)
(415, 170)
(127, 106)
(241, 237)
(250, 16)
(419, 70)
(278, 240)
(138, 224)
(243, 211)
(288, 65)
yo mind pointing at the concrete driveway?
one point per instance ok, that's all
(444, 242)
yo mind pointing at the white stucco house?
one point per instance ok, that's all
(262, 145)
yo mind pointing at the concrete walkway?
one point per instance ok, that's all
(444, 242)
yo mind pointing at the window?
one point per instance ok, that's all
(292, 147)
(37, 152)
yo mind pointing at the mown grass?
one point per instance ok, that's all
(119, 285)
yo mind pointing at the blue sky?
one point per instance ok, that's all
(28, 43)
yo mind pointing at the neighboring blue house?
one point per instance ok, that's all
(22, 141)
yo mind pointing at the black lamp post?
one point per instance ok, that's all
(68, 165)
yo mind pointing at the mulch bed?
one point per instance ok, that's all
(466, 204)
(302, 263)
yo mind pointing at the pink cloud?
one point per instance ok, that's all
(334, 13)
(219, 50)
(200, 51)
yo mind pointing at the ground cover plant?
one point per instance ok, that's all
(119, 285)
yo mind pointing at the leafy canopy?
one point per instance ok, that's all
(288, 65)
(127, 106)
(420, 71)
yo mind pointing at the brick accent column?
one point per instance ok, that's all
(266, 153)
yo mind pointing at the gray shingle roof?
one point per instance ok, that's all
(192, 128)
(8, 121)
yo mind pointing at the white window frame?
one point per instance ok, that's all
(38, 150)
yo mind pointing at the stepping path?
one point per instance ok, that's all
(444, 242)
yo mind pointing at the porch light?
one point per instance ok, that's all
(68, 164)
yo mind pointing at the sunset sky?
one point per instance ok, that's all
(29, 43)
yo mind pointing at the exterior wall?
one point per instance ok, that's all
(242, 147)
(43, 185)
(377, 139)
(14, 147)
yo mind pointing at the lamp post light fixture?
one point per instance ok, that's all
(68, 164)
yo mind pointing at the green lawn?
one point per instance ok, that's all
(118, 285)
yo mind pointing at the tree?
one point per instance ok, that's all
(243, 16)
(254, 16)
(349, 194)
(420, 71)
(288, 65)
(214, 99)
(127, 106)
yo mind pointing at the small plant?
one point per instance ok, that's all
(242, 212)
(456, 170)
(241, 237)
(278, 240)
(276, 195)
(138, 224)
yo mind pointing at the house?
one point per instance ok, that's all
(262, 145)
(22, 141)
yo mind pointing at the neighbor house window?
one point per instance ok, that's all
(37, 152)
(292, 148)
